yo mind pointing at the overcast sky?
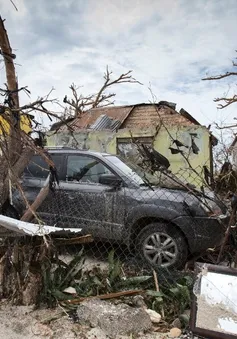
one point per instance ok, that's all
(170, 44)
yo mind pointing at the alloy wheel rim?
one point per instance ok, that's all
(160, 249)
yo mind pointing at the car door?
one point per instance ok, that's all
(34, 177)
(91, 205)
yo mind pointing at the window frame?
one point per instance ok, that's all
(61, 173)
(95, 158)
(120, 141)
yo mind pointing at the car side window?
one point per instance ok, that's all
(38, 168)
(82, 168)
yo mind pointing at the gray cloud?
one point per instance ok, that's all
(170, 44)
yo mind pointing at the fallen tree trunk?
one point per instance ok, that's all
(30, 212)
(10, 137)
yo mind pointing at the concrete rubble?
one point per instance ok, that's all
(154, 316)
(112, 319)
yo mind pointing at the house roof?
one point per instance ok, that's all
(188, 116)
(95, 118)
(112, 117)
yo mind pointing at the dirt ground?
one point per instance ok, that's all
(23, 322)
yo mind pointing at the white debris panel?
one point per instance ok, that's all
(21, 228)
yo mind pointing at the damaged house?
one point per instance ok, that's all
(176, 135)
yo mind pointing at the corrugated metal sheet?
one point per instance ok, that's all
(119, 113)
(115, 125)
(103, 122)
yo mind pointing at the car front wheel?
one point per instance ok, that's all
(162, 245)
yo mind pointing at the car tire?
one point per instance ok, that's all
(162, 245)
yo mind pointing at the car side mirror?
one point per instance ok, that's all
(110, 180)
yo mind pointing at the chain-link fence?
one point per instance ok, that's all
(148, 218)
(144, 227)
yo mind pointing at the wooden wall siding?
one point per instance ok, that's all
(147, 116)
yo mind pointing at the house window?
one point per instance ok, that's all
(128, 149)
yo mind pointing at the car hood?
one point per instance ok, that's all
(182, 201)
(172, 195)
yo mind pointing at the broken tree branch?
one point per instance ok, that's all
(106, 296)
(221, 76)
(232, 223)
(29, 213)
(123, 78)
(226, 101)
(84, 239)
(81, 103)
(8, 57)
(14, 5)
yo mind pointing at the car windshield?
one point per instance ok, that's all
(137, 174)
(143, 178)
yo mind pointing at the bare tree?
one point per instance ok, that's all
(11, 145)
(226, 181)
(81, 103)
(16, 149)
(224, 101)
(16, 146)
(23, 262)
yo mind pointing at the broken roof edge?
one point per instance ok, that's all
(188, 116)
(130, 108)
(160, 103)
(169, 104)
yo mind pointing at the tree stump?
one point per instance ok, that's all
(23, 262)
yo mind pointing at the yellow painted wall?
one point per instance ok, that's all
(106, 141)
(24, 124)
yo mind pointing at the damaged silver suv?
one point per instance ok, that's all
(118, 202)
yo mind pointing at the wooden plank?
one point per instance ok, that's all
(84, 239)
(106, 296)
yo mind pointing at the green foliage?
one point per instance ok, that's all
(172, 299)
(134, 282)
(115, 269)
(59, 275)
